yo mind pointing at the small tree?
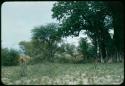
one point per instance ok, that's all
(47, 38)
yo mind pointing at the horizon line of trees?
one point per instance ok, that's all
(96, 18)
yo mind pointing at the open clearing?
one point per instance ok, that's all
(65, 74)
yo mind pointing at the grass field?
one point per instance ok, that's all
(65, 74)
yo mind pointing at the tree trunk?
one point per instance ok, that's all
(100, 55)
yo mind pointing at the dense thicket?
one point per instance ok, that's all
(9, 57)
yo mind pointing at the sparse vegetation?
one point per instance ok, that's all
(63, 74)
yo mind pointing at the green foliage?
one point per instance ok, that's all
(83, 46)
(9, 57)
(94, 17)
(77, 15)
(46, 33)
(43, 44)
(47, 38)
(88, 50)
(81, 15)
(26, 47)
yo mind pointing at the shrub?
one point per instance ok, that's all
(9, 57)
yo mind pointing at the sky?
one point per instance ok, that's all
(19, 18)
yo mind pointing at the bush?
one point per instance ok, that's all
(9, 57)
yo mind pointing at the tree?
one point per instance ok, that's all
(27, 47)
(9, 57)
(77, 16)
(116, 9)
(47, 38)
(83, 47)
(94, 17)
(87, 49)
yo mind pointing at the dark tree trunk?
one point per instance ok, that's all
(117, 10)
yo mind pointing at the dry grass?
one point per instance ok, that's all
(65, 74)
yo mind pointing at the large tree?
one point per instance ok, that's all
(83, 15)
(116, 9)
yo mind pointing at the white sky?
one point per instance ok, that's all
(19, 18)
